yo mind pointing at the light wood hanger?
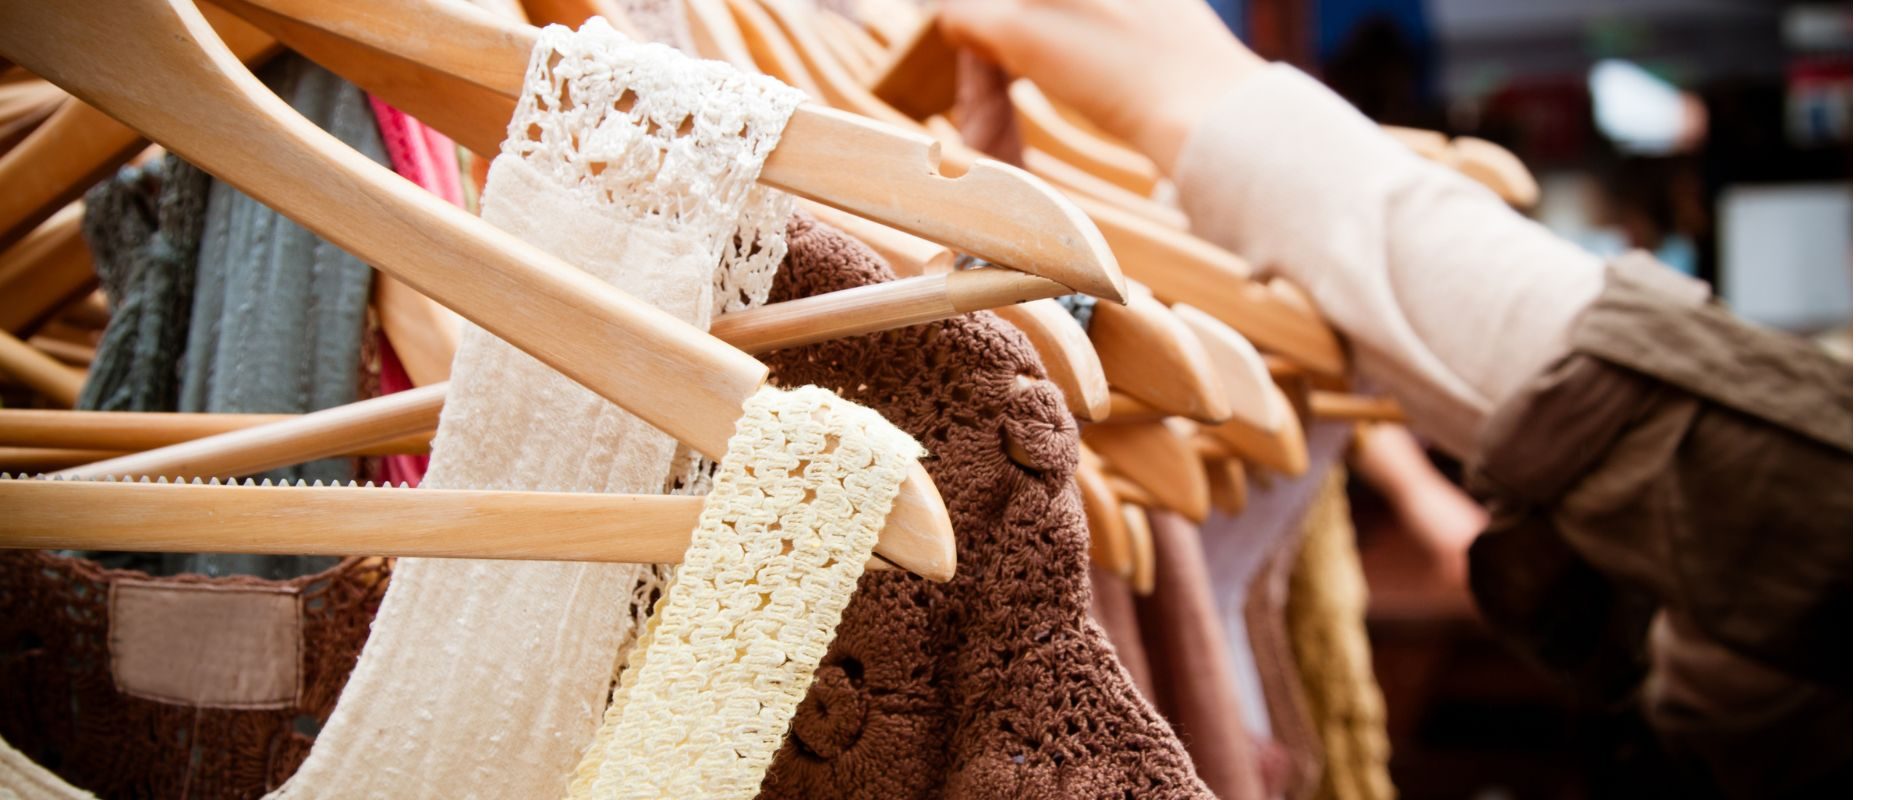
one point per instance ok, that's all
(715, 34)
(1241, 372)
(44, 272)
(1180, 268)
(1141, 536)
(1066, 353)
(78, 146)
(159, 67)
(888, 21)
(1157, 459)
(1047, 129)
(771, 50)
(340, 520)
(1226, 482)
(24, 104)
(1491, 165)
(1109, 545)
(920, 77)
(40, 372)
(1070, 178)
(1150, 355)
(993, 211)
(858, 39)
(846, 50)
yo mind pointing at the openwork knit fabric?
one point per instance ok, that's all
(996, 683)
(59, 705)
(489, 678)
(707, 694)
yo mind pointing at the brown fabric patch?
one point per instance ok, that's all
(206, 645)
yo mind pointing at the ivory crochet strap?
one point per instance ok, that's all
(705, 697)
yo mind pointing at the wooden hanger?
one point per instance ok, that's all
(1491, 165)
(44, 272)
(920, 77)
(1226, 483)
(1073, 179)
(159, 67)
(78, 146)
(347, 520)
(1064, 348)
(1178, 266)
(1109, 545)
(1240, 370)
(888, 21)
(1181, 268)
(1156, 458)
(993, 211)
(1151, 356)
(40, 372)
(835, 34)
(715, 34)
(1047, 129)
(25, 102)
(1141, 537)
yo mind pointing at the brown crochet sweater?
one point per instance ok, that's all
(995, 684)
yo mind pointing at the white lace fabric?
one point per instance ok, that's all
(707, 694)
(489, 678)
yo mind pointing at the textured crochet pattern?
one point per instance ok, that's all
(706, 696)
(61, 708)
(996, 683)
(644, 126)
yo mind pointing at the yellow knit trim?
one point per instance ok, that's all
(705, 697)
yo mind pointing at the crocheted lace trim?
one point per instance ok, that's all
(706, 696)
(652, 134)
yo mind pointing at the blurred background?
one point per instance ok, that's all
(1716, 134)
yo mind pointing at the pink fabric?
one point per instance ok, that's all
(419, 152)
(403, 470)
(428, 159)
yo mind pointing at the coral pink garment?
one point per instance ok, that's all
(427, 159)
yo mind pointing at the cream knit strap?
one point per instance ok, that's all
(707, 694)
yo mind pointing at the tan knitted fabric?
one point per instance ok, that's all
(1325, 613)
(994, 684)
(706, 694)
(488, 678)
(60, 707)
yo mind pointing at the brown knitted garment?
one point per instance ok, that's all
(60, 707)
(995, 684)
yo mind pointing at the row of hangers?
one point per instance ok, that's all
(1187, 402)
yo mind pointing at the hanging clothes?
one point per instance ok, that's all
(278, 314)
(143, 226)
(224, 664)
(994, 684)
(183, 686)
(1325, 617)
(488, 678)
(1195, 685)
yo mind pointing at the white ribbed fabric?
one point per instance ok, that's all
(707, 694)
(488, 678)
(1450, 299)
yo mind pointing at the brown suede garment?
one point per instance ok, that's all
(994, 684)
(1671, 511)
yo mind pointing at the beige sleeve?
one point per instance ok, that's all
(1449, 298)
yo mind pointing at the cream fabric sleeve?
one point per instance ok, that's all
(1450, 299)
